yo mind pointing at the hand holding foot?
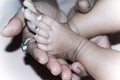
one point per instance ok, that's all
(29, 5)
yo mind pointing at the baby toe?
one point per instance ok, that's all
(31, 26)
(31, 16)
(30, 5)
(48, 20)
(43, 26)
(41, 39)
(42, 46)
(42, 33)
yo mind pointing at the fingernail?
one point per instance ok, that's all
(64, 77)
(42, 61)
(54, 73)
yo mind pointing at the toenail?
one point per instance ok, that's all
(37, 30)
(27, 11)
(39, 18)
(36, 36)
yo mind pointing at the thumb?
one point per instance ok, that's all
(15, 26)
(85, 6)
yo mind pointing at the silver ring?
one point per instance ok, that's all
(24, 45)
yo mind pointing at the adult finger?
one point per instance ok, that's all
(54, 65)
(79, 69)
(84, 6)
(37, 53)
(66, 73)
(15, 26)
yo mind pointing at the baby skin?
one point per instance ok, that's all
(102, 19)
(56, 40)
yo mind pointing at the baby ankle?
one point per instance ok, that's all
(79, 48)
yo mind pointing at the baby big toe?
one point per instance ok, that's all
(30, 5)
(29, 15)
(41, 39)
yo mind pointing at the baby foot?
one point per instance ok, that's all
(56, 39)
